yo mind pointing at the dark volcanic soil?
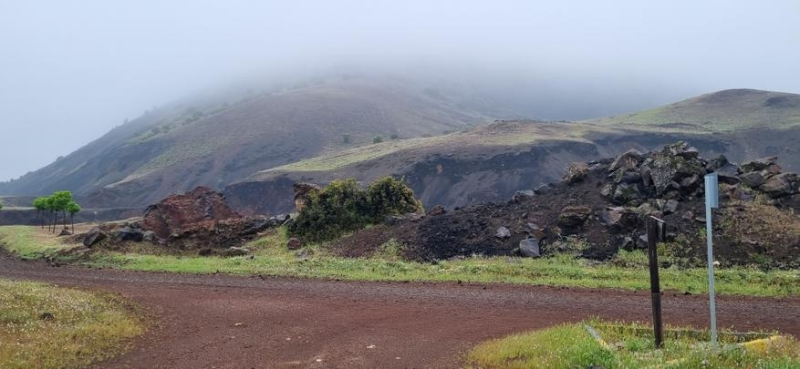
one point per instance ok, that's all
(218, 321)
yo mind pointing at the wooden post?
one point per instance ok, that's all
(655, 233)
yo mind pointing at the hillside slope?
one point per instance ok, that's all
(176, 148)
(723, 111)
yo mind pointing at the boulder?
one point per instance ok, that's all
(667, 169)
(522, 194)
(627, 244)
(65, 232)
(626, 194)
(574, 216)
(236, 251)
(176, 213)
(670, 207)
(129, 234)
(576, 172)
(619, 219)
(543, 189)
(502, 233)
(437, 210)
(627, 161)
(294, 244)
(529, 247)
(534, 230)
(641, 242)
(149, 236)
(301, 192)
(758, 164)
(752, 179)
(715, 164)
(94, 236)
(781, 185)
(256, 224)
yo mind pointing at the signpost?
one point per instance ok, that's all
(655, 233)
(712, 201)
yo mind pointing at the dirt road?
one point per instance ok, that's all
(218, 321)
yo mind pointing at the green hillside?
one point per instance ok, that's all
(723, 111)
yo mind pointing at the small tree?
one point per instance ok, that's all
(346, 138)
(61, 200)
(394, 136)
(377, 139)
(73, 208)
(50, 208)
(40, 203)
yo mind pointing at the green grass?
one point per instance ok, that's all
(270, 257)
(727, 111)
(496, 134)
(628, 346)
(43, 326)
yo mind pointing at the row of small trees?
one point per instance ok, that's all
(50, 207)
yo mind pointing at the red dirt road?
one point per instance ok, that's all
(218, 321)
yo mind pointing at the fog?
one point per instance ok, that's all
(70, 71)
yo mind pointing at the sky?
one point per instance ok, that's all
(72, 70)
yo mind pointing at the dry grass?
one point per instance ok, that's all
(43, 326)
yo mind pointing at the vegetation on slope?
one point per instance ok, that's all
(723, 111)
(43, 326)
(343, 207)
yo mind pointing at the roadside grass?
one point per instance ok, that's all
(628, 346)
(43, 326)
(269, 257)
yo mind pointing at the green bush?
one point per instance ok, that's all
(346, 138)
(377, 139)
(343, 207)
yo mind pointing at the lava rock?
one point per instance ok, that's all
(438, 210)
(543, 189)
(619, 219)
(670, 207)
(752, 179)
(574, 216)
(529, 247)
(236, 251)
(626, 161)
(294, 244)
(149, 236)
(94, 236)
(129, 234)
(503, 233)
(757, 165)
(576, 172)
(781, 185)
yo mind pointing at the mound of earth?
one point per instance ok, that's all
(600, 208)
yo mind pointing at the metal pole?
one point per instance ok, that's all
(653, 236)
(711, 299)
(712, 201)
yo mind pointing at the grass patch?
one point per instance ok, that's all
(42, 326)
(629, 346)
(270, 257)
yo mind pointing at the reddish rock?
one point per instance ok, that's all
(177, 213)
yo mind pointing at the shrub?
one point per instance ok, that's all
(377, 139)
(343, 207)
(394, 136)
(346, 138)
